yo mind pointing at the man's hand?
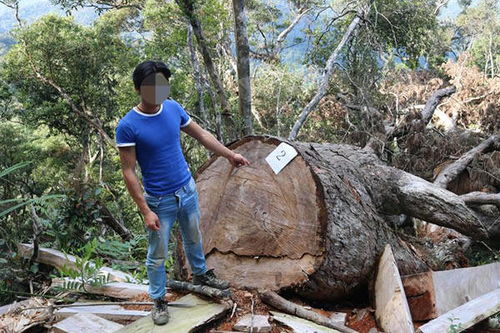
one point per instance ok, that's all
(152, 221)
(211, 143)
(237, 160)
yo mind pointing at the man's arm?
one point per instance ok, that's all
(212, 144)
(128, 161)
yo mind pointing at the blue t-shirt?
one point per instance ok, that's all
(156, 138)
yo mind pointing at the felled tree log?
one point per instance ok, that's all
(318, 226)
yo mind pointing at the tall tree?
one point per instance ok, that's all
(243, 52)
(479, 33)
(188, 8)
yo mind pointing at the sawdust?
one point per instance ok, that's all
(361, 320)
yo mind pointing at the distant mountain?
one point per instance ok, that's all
(6, 43)
(30, 10)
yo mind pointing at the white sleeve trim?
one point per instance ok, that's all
(187, 122)
(125, 144)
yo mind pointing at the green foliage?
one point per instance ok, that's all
(405, 27)
(479, 32)
(123, 250)
(454, 328)
(90, 81)
(278, 91)
(87, 271)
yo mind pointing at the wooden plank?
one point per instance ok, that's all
(459, 286)
(256, 323)
(392, 311)
(182, 320)
(300, 325)
(58, 259)
(85, 323)
(432, 294)
(109, 312)
(465, 315)
(113, 289)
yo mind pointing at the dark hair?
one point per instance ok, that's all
(149, 67)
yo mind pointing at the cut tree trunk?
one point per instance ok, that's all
(318, 226)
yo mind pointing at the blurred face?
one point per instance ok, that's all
(155, 88)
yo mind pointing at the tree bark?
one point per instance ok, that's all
(243, 66)
(197, 76)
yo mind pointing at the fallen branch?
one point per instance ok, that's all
(325, 78)
(200, 289)
(273, 299)
(481, 198)
(434, 101)
(61, 260)
(450, 172)
(114, 223)
(425, 116)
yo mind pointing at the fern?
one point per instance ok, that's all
(87, 272)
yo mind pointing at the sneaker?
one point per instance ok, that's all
(209, 279)
(160, 311)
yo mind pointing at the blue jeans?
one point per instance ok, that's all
(181, 206)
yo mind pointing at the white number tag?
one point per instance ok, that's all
(280, 157)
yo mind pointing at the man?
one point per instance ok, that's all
(150, 135)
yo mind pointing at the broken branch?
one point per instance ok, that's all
(273, 299)
(200, 289)
(452, 171)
